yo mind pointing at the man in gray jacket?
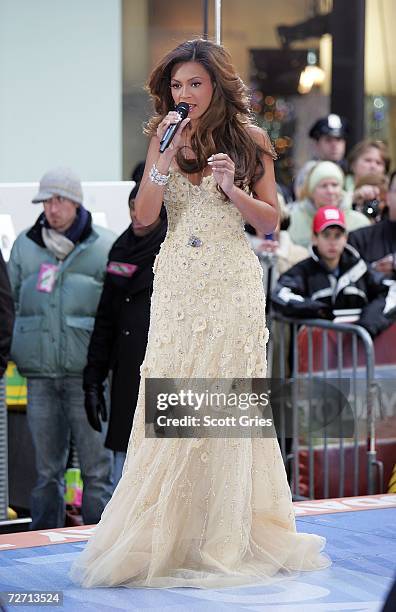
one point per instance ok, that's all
(56, 271)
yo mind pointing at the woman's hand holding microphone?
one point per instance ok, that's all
(172, 118)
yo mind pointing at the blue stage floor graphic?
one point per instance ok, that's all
(362, 546)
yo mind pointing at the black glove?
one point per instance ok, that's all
(95, 405)
(326, 313)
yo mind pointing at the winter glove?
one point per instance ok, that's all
(326, 312)
(95, 405)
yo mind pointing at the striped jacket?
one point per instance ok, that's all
(310, 290)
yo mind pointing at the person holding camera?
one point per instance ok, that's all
(377, 243)
(374, 206)
(367, 157)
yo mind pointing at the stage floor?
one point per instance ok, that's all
(360, 542)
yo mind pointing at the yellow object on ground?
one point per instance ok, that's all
(16, 390)
(11, 514)
(392, 481)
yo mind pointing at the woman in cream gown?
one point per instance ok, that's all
(200, 512)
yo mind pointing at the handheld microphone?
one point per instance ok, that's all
(167, 138)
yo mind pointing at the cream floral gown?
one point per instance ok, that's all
(200, 512)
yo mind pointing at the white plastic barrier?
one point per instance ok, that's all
(107, 201)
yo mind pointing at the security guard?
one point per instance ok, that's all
(329, 136)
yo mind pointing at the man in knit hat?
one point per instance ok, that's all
(56, 271)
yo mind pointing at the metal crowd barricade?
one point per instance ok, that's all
(268, 262)
(3, 453)
(330, 351)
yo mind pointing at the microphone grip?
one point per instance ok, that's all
(168, 136)
(182, 110)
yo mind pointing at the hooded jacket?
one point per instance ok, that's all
(310, 290)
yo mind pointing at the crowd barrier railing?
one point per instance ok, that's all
(3, 453)
(326, 411)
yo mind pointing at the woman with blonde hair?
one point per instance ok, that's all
(323, 187)
(202, 511)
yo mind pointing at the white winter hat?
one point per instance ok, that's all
(59, 182)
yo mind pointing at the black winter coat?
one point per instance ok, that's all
(7, 315)
(310, 290)
(119, 339)
(375, 241)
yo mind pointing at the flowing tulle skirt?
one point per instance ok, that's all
(201, 512)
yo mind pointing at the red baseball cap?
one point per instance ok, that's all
(327, 216)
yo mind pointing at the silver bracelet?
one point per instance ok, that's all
(158, 178)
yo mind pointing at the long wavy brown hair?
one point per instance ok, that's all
(225, 124)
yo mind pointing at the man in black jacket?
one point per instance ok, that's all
(335, 280)
(119, 339)
(6, 316)
(377, 243)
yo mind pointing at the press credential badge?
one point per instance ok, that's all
(47, 277)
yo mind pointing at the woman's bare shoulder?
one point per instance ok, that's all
(261, 137)
(255, 131)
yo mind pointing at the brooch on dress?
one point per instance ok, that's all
(194, 241)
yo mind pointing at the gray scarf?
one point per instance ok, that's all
(57, 243)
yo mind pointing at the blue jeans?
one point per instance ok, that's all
(55, 412)
(119, 460)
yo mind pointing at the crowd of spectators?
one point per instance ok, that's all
(359, 190)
